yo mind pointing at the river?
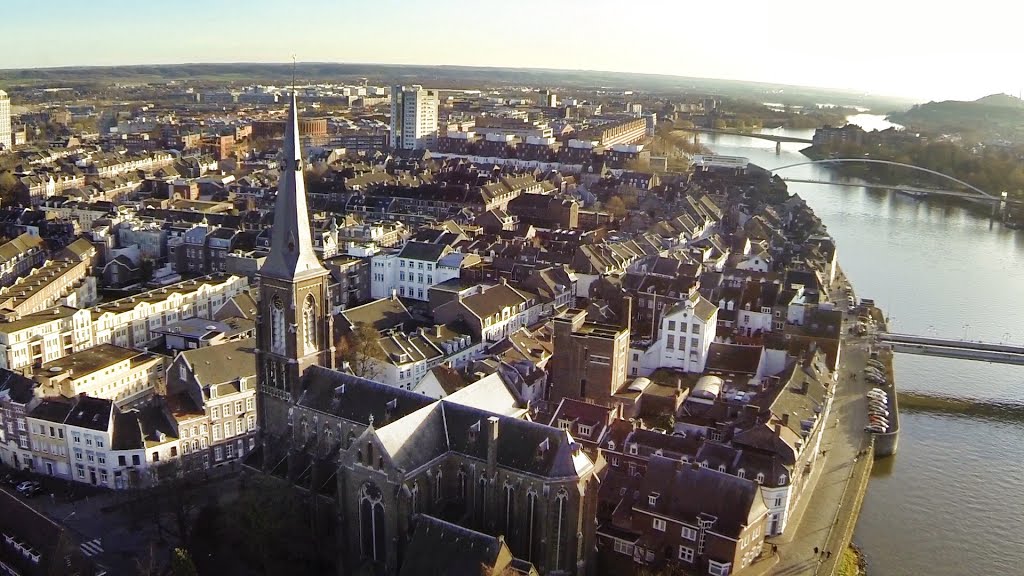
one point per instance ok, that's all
(935, 508)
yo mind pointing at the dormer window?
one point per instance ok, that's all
(760, 478)
(564, 424)
(741, 473)
(704, 464)
(652, 498)
(633, 449)
(721, 467)
(585, 430)
(611, 445)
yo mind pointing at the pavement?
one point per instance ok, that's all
(109, 530)
(824, 518)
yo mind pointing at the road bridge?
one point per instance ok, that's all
(949, 348)
(759, 136)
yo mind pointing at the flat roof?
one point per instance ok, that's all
(86, 362)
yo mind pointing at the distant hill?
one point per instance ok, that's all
(994, 117)
(441, 76)
(1003, 100)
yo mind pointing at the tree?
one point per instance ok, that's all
(615, 206)
(359, 349)
(181, 563)
(8, 187)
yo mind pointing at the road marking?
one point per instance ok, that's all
(92, 547)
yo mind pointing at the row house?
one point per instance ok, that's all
(108, 165)
(17, 396)
(406, 358)
(65, 279)
(35, 189)
(128, 321)
(19, 256)
(491, 313)
(211, 393)
(675, 515)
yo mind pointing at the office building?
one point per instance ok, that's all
(5, 121)
(413, 117)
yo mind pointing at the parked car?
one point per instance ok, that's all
(29, 488)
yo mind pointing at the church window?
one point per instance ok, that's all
(372, 530)
(277, 329)
(309, 325)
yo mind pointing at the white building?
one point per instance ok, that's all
(413, 117)
(684, 337)
(409, 357)
(44, 336)
(5, 121)
(106, 371)
(411, 272)
(128, 322)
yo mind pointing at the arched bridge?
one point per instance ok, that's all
(975, 194)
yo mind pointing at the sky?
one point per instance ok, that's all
(922, 50)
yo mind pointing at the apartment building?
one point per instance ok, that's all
(44, 336)
(123, 375)
(413, 117)
(129, 321)
(211, 393)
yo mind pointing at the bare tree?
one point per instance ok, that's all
(361, 353)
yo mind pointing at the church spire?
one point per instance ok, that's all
(291, 245)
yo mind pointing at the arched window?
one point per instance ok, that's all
(782, 479)
(532, 524)
(721, 467)
(760, 478)
(438, 486)
(309, 325)
(741, 473)
(481, 500)
(372, 530)
(562, 523)
(414, 492)
(462, 485)
(277, 328)
(508, 507)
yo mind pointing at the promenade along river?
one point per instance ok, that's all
(949, 503)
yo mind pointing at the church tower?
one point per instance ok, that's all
(295, 328)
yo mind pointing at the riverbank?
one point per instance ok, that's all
(852, 563)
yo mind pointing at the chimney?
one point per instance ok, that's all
(778, 430)
(751, 411)
(437, 331)
(394, 294)
(785, 419)
(804, 387)
(492, 446)
(627, 312)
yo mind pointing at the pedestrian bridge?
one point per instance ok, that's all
(949, 348)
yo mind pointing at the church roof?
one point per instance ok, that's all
(291, 246)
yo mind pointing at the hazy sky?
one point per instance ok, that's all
(925, 50)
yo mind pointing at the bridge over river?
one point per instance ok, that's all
(778, 139)
(949, 348)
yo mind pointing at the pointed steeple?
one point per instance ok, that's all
(291, 245)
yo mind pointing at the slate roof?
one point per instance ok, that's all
(127, 432)
(439, 548)
(17, 387)
(733, 358)
(357, 399)
(57, 550)
(688, 491)
(92, 413)
(213, 365)
(381, 315)
(51, 410)
(429, 252)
